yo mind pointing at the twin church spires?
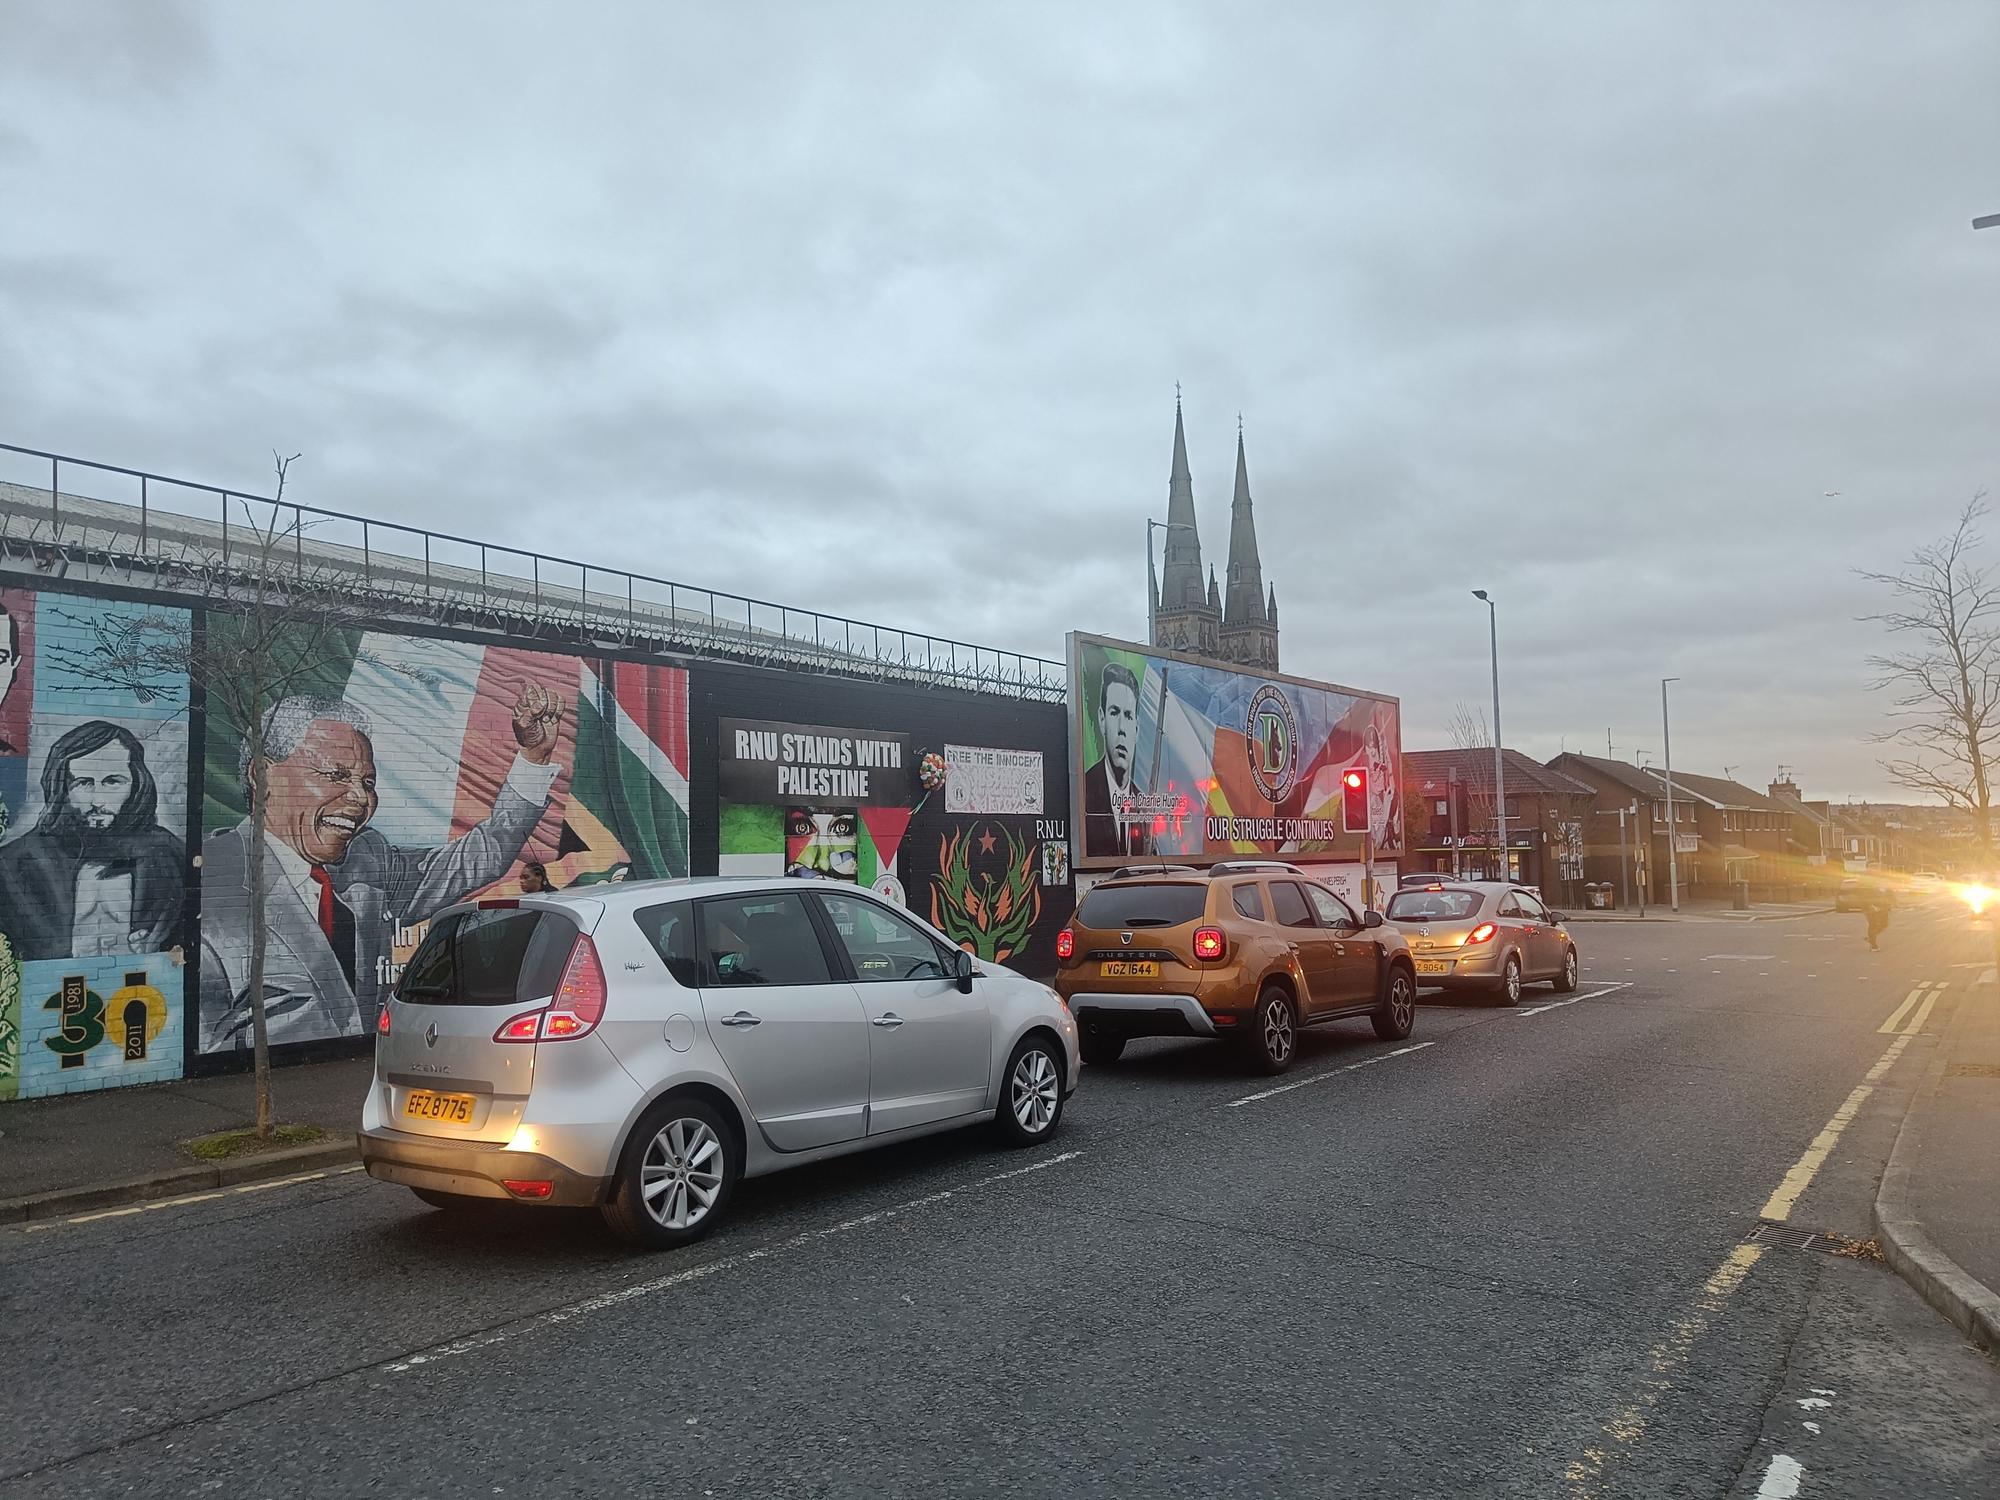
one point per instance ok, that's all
(1238, 623)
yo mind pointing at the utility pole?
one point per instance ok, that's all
(1499, 764)
(1673, 832)
(1624, 869)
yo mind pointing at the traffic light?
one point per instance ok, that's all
(1354, 799)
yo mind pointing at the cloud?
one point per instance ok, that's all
(878, 311)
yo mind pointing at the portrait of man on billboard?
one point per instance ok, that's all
(336, 888)
(1112, 823)
(97, 875)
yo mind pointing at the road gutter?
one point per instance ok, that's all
(63, 1202)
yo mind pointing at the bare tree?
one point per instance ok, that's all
(1469, 730)
(273, 605)
(1946, 673)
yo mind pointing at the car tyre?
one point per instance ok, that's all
(1565, 982)
(676, 1175)
(1274, 1032)
(1100, 1049)
(1510, 980)
(1396, 1016)
(1031, 1093)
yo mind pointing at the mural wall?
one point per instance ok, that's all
(93, 869)
(409, 773)
(1179, 758)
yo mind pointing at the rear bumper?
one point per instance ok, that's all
(1141, 1015)
(1481, 971)
(473, 1169)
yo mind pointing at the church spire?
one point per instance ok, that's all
(1243, 602)
(1249, 619)
(1180, 583)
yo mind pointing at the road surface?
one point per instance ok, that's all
(1507, 1257)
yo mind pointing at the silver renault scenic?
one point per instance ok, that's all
(641, 1048)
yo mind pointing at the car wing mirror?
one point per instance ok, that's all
(962, 970)
(1372, 918)
(1557, 918)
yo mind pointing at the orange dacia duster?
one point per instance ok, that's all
(1245, 951)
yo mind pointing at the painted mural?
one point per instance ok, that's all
(93, 798)
(1185, 759)
(406, 774)
(815, 801)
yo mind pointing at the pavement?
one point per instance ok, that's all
(1547, 1251)
(136, 1137)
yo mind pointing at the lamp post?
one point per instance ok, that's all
(1673, 829)
(1153, 579)
(1499, 767)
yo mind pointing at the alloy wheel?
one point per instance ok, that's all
(1402, 1002)
(1035, 1089)
(681, 1174)
(1278, 1031)
(1569, 968)
(1513, 980)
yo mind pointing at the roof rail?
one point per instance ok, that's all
(1127, 872)
(1250, 866)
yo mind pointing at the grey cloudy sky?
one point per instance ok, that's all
(880, 308)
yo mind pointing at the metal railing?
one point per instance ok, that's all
(173, 534)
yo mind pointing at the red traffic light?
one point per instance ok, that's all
(1354, 800)
(1355, 779)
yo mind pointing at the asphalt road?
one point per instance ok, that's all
(1505, 1258)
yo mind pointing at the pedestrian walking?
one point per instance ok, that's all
(1876, 904)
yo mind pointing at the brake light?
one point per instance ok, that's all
(576, 1009)
(1209, 944)
(498, 903)
(1480, 933)
(528, 1189)
(1065, 944)
(382, 1020)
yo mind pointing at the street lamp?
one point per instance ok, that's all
(1673, 832)
(1499, 768)
(1152, 578)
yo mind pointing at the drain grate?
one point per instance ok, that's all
(1972, 1070)
(1791, 1237)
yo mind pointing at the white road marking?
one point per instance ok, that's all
(1814, 1403)
(1536, 1010)
(1889, 1027)
(1812, 1427)
(1924, 1011)
(558, 1316)
(1781, 1480)
(1740, 957)
(1366, 1062)
(187, 1198)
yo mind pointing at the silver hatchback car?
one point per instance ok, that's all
(642, 1048)
(1483, 935)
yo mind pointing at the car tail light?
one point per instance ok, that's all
(382, 1020)
(1065, 944)
(498, 903)
(1482, 933)
(576, 1009)
(1209, 944)
(528, 1189)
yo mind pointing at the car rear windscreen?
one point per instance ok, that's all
(1118, 904)
(1432, 906)
(488, 957)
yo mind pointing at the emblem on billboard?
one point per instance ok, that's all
(1273, 733)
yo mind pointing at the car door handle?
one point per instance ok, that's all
(742, 1018)
(890, 1020)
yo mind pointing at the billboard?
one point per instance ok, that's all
(1180, 760)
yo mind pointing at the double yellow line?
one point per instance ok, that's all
(1921, 999)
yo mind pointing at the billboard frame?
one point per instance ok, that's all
(1083, 861)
